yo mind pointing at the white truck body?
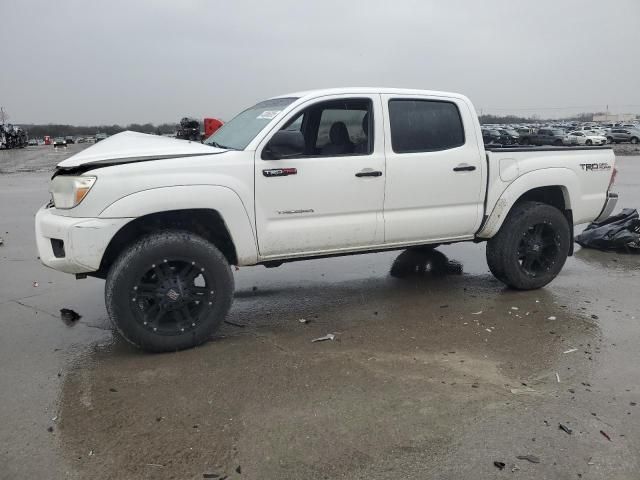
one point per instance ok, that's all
(448, 195)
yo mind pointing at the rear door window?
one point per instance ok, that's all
(424, 125)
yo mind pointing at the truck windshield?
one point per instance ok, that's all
(237, 133)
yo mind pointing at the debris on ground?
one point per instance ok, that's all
(617, 232)
(564, 428)
(522, 390)
(210, 475)
(238, 469)
(1, 241)
(604, 434)
(528, 458)
(557, 377)
(515, 468)
(551, 318)
(234, 324)
(154, 465)
(515, 308)
(303, 320)
(571, 350)
(328, 336)
(68, 316)
(500, 465)
(476, 313)
(50, 429)
(35, 284)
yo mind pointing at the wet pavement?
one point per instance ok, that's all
(436, 370)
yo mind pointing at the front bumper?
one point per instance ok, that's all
(78, 243)
(609, 205)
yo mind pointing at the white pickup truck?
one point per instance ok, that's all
(305, 175)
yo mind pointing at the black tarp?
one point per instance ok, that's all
(618, 232)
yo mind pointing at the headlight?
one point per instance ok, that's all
(67, 192)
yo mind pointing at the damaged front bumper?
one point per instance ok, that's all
(71, 244)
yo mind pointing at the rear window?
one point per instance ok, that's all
(424, 125)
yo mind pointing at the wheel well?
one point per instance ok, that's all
(555, 196)
(204, 222)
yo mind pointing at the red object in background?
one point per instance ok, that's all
(210, 126)
(47, 140)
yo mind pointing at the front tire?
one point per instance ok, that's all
(169, 291)
(531, 247)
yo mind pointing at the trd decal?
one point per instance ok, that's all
(591, 167)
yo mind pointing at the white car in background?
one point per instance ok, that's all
(591, 128)
(584, 137)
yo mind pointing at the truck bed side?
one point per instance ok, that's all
(582, 174)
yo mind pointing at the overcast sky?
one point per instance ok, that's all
(104, 62)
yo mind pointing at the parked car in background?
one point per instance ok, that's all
(510, 135)
(585, 137)
(491, 136)
(591, 128)
(33, 142)
(100, 136)
(59, 142)
(618, 135)
(544, 136)
(70, 139)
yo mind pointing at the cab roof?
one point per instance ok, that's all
(368, 91)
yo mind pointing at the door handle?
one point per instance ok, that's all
(463, 167)
(369, 173)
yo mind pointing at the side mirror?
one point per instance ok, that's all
(284, 144)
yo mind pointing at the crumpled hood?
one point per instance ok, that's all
(129, 146)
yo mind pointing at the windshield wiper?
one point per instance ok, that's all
(217, 145)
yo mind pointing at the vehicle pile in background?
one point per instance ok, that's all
(13, 136)
(189, 129)
(559, 134)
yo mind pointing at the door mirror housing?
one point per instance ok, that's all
(284, 144)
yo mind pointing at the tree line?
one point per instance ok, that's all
(60, 130)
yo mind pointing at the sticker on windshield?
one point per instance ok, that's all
(268, 114)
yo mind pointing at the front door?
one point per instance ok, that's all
(328, 197)
(435, 170)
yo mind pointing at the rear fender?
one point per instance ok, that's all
(564, 178)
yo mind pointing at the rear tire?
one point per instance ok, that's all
(588, 142)
(531, 247)
(169, 291)
(634, 140)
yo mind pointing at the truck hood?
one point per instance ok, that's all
(127, 147)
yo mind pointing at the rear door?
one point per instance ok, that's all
(329, 198)
(434, 169)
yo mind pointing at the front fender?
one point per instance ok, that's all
(222, 199)
(564, 178)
